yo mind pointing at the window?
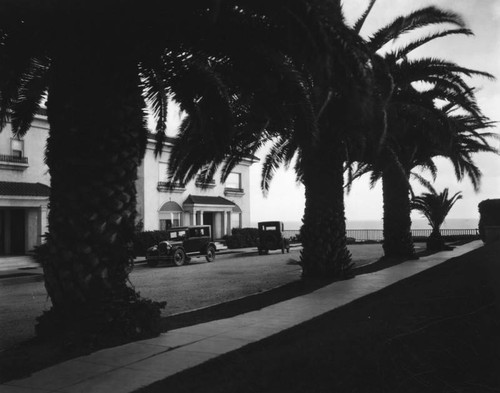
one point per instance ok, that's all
(234, 181)
(17, 147)
(235, 220)
(177, 235)
(199, 232)
(203, 180)
(270, 227)
(172, 222)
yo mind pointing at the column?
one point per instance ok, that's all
(193, 218)
(44, 224)
(7, 231)
(229, 222)
(201, 217)
(223, 224)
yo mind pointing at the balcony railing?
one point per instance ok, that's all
(13, 162)
(13, 159)
(204, 183)
(166, 186)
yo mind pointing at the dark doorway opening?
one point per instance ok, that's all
(208, 219)
(17, 231)
(12, 232)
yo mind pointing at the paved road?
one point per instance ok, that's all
(192, 286)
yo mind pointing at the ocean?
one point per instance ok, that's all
(451, 223)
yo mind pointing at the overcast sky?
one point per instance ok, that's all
(285, 201)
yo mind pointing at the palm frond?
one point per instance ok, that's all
(361, 21)
(419, 18)
(31, 91)
(405, 50)
(156, 93)
(435, 206)
(423, 181)
(16, 66)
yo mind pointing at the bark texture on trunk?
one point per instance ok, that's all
(96, 143)
(323, 233)
(435, 242)
(398, 241)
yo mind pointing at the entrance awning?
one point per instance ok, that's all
(207, 202)
(8, 188)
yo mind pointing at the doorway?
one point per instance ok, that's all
(12, 232)
(208, 219)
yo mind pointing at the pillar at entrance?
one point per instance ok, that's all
(223, 224)
(228, 223)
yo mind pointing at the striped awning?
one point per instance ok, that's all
(8, 188)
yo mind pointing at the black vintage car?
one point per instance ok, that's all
(271, 237)
(182, 243)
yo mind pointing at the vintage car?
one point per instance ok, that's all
(271, 237)
(182, 243)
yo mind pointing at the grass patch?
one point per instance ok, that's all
(35, 354)
(438, 331)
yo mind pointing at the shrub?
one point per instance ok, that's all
(144, 240)
(242, 237)
(489, 212)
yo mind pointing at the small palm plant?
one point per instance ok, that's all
(435, 207)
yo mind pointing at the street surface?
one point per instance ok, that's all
(199, 284)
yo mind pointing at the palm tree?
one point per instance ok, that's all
(96, 68)
(435, 207)
(347, 99)
(418, 129)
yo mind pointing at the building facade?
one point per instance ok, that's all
(25, 181)
(223, 206)
(24, 188)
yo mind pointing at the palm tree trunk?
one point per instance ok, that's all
(435, 242)
(398, 240)
(323, 232)
(97, 140)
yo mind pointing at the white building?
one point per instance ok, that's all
(24, 188)
(24, 193)
(223, 206)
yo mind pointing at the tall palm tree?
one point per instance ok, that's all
(435, 207)
(347, 97)
(96, 65)
(417, 128)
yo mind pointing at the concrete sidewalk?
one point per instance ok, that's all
(132, 366)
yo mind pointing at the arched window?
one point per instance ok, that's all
(170, 215)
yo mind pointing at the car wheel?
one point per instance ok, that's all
(179, 257)
(210, 256)
(152, 262)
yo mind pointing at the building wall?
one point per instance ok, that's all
(34, 149)
(154, 170)
(149, 198)
(34, 171)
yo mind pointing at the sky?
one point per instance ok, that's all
(285, 200)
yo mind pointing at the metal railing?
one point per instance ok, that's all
(378, 234)
(169, 186)
(13, 159)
